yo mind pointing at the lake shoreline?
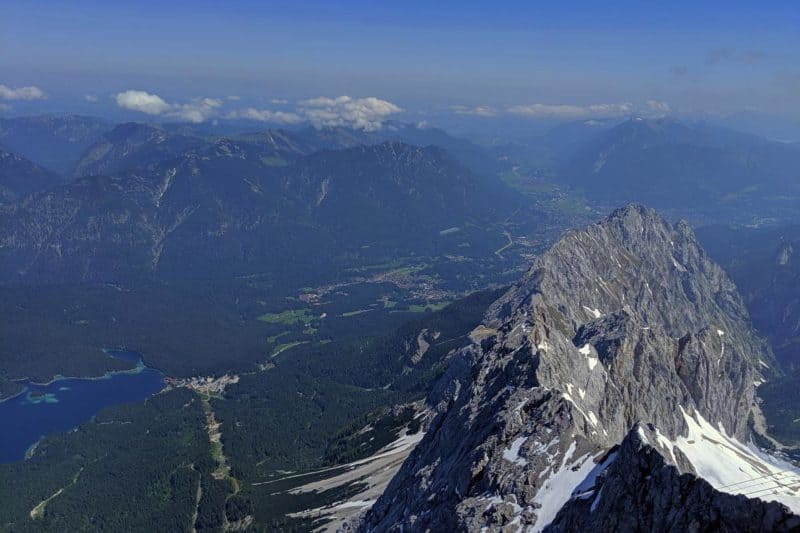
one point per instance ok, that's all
(63, 403)
(136, 369)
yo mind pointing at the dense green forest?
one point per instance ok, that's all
(211, 327)
(133, 468)
(145, 463)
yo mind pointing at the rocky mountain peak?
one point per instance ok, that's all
(624, 326)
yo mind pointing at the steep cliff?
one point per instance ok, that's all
(626, 326)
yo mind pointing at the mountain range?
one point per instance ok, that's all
(671, 164)
(616, 385)
(232, 208)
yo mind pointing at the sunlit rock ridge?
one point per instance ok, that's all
(622, 333)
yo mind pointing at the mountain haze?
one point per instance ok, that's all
(671, 164)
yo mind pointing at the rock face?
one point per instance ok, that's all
(625, 326)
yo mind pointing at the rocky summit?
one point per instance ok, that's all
(613, 387)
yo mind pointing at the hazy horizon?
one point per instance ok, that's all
(459, 66)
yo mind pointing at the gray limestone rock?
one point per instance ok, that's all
(627, 322)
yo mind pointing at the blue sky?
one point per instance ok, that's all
(438, 60)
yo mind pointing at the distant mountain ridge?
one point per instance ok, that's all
(55, 142)
(20, 177)
(670, 164)
(132, 145)
(226, 208)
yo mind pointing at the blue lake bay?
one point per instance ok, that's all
(65, 403)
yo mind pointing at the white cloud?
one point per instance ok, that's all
(266, 115)
(197, 110)
(569, 111)
(21, 93)
(142, 101)
(650, 109)
(234, 98)
(90, 98)
(478, 111)
(361, 113)
(656, 108)
(278, 101)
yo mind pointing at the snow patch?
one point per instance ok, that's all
(736, 468)
(362, 504)
(666, 444)
(596, 501)
(590, 359)
(591, 418)
(642, 435)
(594, 312)
(558, 488)
(678, 266)
(511, 454)
(542, 346)
(587, 486)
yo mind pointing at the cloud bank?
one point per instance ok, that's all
(478, 111)
(196, 111)
(568, 111)
(142, 101)
(361, 113)
(266, 115)
(21, 93)
(651, 108)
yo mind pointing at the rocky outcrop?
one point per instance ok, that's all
(625, 324)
